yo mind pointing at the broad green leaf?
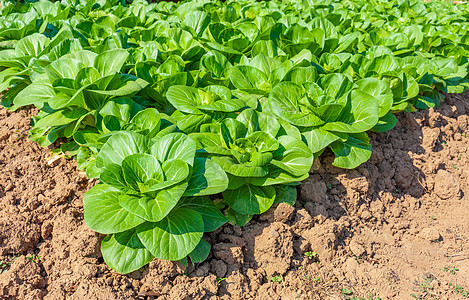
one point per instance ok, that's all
(293, 156)
(229, 105)
(61, 117)
(113, 175)
(276, 176)
(207, 178)
(353, 152)
(284, 103)
(120, 145)
(212, 216)
(249, 199)
(174, 237)
(175, 170)
(32, 45)
(197, 21)
(231, 130)
(104, 214)
(263, 141)
(149, 122)
(385, 123)
(285, 194)
(174, 146)
(34, 94)
(363, 115)
(230, 165)
(318, 139)
(148, 208)
(247, 78)
(64, 68)
(138, 168)
(200, 253)
(184, 98)
(236, 218)
(124, 253)
(380, 91)
(111, 61)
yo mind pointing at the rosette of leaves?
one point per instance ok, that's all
(334, 113)
(72, 89)
(198, 106)
(296, 37)
(383, 65)
(16, 26)
(176, 41)
(231, 39)
(258, 156)
(214, 69)
(259, 75)
(151, 199)
(118, 114)
(160, 75)
(21, 20)
(28, 58)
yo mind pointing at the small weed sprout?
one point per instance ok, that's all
(276, 278)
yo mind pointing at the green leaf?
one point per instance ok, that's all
(184, 98)
(148, 208)
(285, 194)
(207, 178)
(197, 21)
(353, 152)
(284, 103)
(247, 78)
(120, 145)
(380, 91)
(149, 122)
(104, 214)
(236, 218)
(113, 175)
(138, 168)
(174, 146)
(263, 141)
(211, 215)
(294, 156)
(276, 176)
(318, 139)
(363, 115)
(231, 130)
(124, 253)
(61, 117)
(111, 61)
(174, 237)
(249, 199)
(64, 68)
(230, 165)
(176, 170)
(385, 123)
(34, 94)
(32, 45)
(200, 253)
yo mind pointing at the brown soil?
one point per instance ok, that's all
(388, 228)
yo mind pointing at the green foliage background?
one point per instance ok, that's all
(197, 113)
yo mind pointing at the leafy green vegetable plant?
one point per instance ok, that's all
(149, 200)
(197, 113)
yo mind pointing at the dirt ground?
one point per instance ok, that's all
(395, 228)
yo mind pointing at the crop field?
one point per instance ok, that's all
(307, 149)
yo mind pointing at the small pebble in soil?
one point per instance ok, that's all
(429, 234)
(356, 248)
(446, 185)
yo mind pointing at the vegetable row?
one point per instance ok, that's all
(202, 112)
